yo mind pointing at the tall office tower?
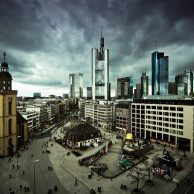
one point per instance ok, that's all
(184, 83)
(89, 93)
(76, 85)
(159, 73)
(172, 88)
(137, 91)
(124, 87)
(8, 116)
(144, 84)
(100, 72)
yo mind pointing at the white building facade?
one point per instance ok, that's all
(32, 119)
(100, 114)
(171, 121)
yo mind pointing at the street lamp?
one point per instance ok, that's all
(34, 175)
(17, 148)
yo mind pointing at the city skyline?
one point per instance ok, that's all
(47, 40)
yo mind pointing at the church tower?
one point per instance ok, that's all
(8, 125)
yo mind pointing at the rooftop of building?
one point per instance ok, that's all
(83, 130)
(20, 118)
(28, 112)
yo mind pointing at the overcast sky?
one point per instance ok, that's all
(45, 40)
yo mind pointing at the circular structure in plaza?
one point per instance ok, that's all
(83, 135)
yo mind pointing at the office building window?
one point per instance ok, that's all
(173, 108)
(180, 115)
(179, 109)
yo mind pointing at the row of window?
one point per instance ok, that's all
(160, 113)
(153, 124)
(158, 107)
(165, 130)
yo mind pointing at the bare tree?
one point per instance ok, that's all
(136, 172)
(149, 168)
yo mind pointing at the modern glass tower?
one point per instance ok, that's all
(76, 85)
(100, 72)
(184, 83)
(144, 84)
(159, 73)
(124, 87)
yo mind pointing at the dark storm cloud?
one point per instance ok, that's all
(57, 36)
(20, 24)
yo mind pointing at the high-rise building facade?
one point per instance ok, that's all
(8, 115)
(100, 72)
(124, 87)
(137, 91)
(76, 85)
(172, 88)
(159, 74)
(89, 93)
(144, 84)
(170, 121)
(184, 83)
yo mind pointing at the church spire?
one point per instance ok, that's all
(4, 56)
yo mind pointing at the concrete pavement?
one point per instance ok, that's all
(45, 179)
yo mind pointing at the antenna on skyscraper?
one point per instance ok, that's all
(101, 30)
(156, 44)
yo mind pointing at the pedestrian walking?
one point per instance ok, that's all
(55, 188)
(10, 176)
(13, 166)
(23, 172)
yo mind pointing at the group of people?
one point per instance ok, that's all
(55, 190)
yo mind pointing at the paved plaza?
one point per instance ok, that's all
(72, 178)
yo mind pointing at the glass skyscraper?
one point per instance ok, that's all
(144, 84)
(159, 73)
(184, 83)
(76, 85)
(100, 72)
(124, 87)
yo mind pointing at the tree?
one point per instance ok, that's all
(148, 166)
(136, 175)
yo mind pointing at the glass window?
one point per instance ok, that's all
(179, 109)
(173, 114)
(173, 108)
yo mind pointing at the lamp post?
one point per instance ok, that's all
(18, 148)
(34, 175)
